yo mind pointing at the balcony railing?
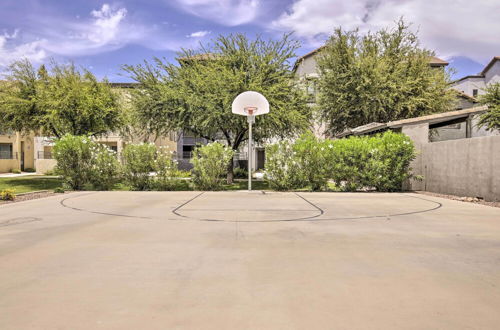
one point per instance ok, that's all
(45, 155)
(8, 155)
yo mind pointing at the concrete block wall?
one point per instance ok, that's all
(465, 167)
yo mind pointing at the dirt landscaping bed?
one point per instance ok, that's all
(474, 200)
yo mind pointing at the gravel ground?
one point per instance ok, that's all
(30, 196)
(474, 200)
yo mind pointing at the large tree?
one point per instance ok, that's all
(378, 77)
(491, 118)
(196, 94)
(62, 100)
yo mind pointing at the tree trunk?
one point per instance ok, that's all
(230, 172)
(235, 146)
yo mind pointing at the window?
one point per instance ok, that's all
(187, 152)
(474, 92)
(448, 130)
(311, 90)
(6, 151)
(46, 153)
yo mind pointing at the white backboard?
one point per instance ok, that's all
(250, 104)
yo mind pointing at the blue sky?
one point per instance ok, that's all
(103, 35)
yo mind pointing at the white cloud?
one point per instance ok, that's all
(104, 30)
(225, 12)
(198, 34)
(451, 27)
(10, 50)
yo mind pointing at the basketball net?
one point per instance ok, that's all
(250, 110)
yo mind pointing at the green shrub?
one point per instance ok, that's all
(74, 155)
(348, 161)
(209, 165)
(183, 174)
(15, 171)
(282, 169)
(85, 164)
(312, 154)
(7, 195)
(240, 173)
(59, 190)
(389, 163)
(29, 170)
(381, 162)
(51, 172)
(139, 165)
(167, 173)
(147, 167)
(105, 167)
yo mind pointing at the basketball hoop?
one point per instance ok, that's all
(251, 111)
(250, 104)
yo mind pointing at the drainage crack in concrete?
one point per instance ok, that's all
(18, 221)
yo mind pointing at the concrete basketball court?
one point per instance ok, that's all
(239, 260)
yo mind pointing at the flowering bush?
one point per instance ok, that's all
(105, 167)
(139, 164)
(167, 172)
(381, 162)
(7, 195)
(74, 155)
(312, 154)
(209, 165)
(348, 162)
(389, 164)
(83, 162)
(282, 169)
(147, 167)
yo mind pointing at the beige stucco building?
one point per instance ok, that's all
(16, 151)
(29, 151)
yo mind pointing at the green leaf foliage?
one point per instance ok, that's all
(64, 100)
(491, 118)
(381, 162)
(84, 163)
(378, 77)
(209, 165)
(282, 170)
(312, 155)
(147, 167)
(197, 94)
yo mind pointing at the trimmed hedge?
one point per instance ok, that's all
(381, 162)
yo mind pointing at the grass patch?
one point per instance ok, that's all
(243, 185)
(25, 184)
(185, 185)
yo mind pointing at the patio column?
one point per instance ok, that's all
(17, 149)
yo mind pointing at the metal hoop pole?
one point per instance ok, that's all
(250, 121)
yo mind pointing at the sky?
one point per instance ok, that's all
(104, 35)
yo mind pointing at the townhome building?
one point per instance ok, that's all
(307, 74)
(21, 151)
(474, 85)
